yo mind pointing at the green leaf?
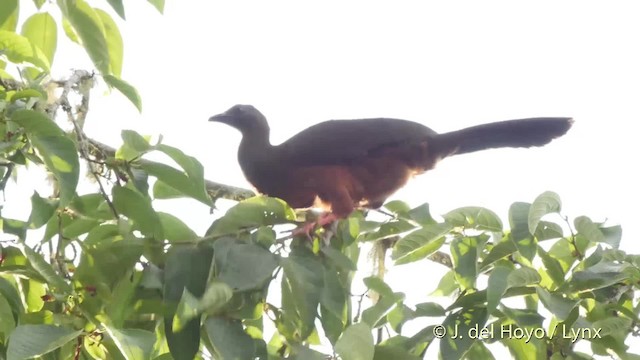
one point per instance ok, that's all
(158, 4)
(37, 124)
(14, 227)
(420, 243)
(522, 277)
(548, 230)
(386, 352)
(500, 250)
(187, 267)
(265, 237)
(41, 210)
(9, 291)
(562, 251)
(497, 286)
(133, 343)
(560, 307)
(397, 207)
(612, 235)
(138, 208)
(613, 325)
(389, 229)
(447, 285)
(189, 164)
(28, 341)
(460, 323)
(8, 322)
(399, 315)
(9, 14)
(356, 343)
(340, 259)
(135, 141)
(26, 94)
(117, 7)
(588, 229)
(229, 339)
(422, 215)
(474, 217)
(175, 230)
(58, 152)
(88, 26)
(190, 183)
(215, 297)
(332, 325)
(251, 213)
(553, 267)
(121, 306)
(464, 252)
(378, 285)
(91, 205)
(531, 350)
(522, 238)
(546, 203)
(187, 310)
(304, 279)
(42, 31)
(599, 276)
(128, 90)
(480, 351)
(301, 352)
(44, 268)
(60, 156)
(163, 191)
(429, 309)
(386, 301)
(334, 296)
(177, 180)
(523, 317)
(70, 32)
(243, 266)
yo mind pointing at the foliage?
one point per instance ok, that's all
(105, 275)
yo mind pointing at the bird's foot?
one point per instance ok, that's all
(308, 228)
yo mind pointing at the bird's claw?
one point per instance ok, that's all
(309, 228)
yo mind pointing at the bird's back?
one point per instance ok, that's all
(337, 142)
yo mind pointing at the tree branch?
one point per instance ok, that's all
(81, 81)
(216, 190)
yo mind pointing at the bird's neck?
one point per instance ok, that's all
(255, 155)
(254, 143)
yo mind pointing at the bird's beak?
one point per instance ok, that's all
(224, 118)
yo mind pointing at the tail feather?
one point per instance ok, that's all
(510, 133)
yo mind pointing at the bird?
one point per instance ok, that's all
(341, 165)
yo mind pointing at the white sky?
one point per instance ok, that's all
(445, 64)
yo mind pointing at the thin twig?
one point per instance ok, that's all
(356, 318)
(76, 81)
(573, 238)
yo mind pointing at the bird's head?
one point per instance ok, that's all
(245, 118)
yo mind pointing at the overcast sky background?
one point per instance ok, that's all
(445, 64)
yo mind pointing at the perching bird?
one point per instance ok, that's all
(352, 163)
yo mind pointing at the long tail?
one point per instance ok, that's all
(510, 133)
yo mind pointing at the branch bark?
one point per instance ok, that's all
(216, 190)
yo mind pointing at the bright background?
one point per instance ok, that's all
(445, 64)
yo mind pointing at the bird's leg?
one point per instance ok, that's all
(308, 228)
(329, 232)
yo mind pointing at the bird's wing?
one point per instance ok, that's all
(343, 141)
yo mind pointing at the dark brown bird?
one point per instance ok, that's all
(350, 163)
